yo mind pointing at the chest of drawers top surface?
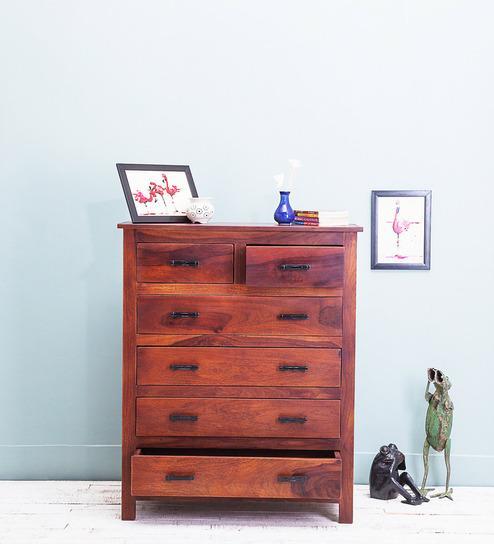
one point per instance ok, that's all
(249, 233)
(239, 354)
(234, 227)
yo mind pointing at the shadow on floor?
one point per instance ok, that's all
(243, 513)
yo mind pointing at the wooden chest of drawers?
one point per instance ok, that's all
(238, 363)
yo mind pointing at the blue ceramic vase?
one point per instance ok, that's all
(284, 214)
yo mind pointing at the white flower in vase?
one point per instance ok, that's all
(295, 165)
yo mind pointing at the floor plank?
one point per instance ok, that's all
(80, 512)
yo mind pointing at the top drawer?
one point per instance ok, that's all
(185, 263)
(294, 266)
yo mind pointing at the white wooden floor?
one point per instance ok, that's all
(73, 512)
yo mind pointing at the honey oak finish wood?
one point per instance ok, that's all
(238, 417)
(239, 404)
(231, 289)
(128, 372)
(185, 263)
(282, 266)
(242, 444)
(241, 477)
(295, 367)
(252, 315)
(348, 378)
(238, 340)
(236, 392)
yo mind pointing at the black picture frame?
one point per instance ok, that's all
(123, 168)
(426, 264)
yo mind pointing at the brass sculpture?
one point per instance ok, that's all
(438, 424)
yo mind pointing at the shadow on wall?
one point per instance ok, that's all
(103, 281)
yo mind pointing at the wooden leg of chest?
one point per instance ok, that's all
(346, 500)
(348, 380)
(128, 373)
(128, 502)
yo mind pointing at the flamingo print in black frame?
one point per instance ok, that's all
(157, 193)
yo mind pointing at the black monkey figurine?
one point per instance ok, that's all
(386, 482)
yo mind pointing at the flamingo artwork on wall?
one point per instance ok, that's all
(400, 225)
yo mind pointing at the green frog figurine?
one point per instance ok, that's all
(438, 423)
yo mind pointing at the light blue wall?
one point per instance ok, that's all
(369, 95)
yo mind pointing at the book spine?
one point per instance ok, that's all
(307, 219)
(306, 223)
(304, 212)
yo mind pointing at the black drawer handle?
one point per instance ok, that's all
(293, 368)
(183, 417)
(286, 419)
(179, 477)
(193, 368)
(293, 479)
(294, 266)
(293, 317)
(175, 262)
(180, 315)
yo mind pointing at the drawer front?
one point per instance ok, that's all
(238, 417)
(185, 263)
(239, 366)
(249, 477)
(237, 314)
(294, 266)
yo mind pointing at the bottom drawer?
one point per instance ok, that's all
(247, 474)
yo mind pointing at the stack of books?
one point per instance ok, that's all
(320, 218)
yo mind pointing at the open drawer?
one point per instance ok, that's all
(236, 473)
